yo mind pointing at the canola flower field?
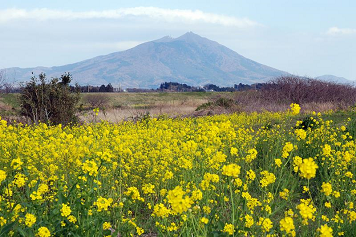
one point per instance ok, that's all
(226, 175)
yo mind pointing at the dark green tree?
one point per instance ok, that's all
(51, 102)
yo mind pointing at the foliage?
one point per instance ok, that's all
(226, 103)
(51, 102)
(308, 122)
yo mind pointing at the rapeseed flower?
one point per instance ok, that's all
(30, 220)
(43, 232)
(325, 231)
(294, 108)
(287, 225)
(326, 188)
(65, 210)
(2, 175)
(267, 178)
(232, 170)
(308, 168)
(229, 229)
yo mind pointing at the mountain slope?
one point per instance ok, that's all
(189, 59)
(332, 78)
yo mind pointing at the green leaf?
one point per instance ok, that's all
(6, 229)
(21, 232)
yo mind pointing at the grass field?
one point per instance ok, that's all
(117, 107)
(255, 174)
(125, 106)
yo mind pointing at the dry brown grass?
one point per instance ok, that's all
(174, 108)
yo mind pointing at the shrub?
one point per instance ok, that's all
(218, 102)
(294, 89)
(51, 102)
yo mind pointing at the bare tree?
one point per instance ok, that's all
(5, 87)
(2, 80)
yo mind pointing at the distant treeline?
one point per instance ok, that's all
(166, 87)
(178, 87)
(102, 88)
(174, 87)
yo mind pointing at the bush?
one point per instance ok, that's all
(294, 89)
(51, 102)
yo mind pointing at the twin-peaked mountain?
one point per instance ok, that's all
(189, 59)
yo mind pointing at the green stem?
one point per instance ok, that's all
(232, 206)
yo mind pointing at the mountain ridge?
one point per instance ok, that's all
(189, 59)
(332, 78)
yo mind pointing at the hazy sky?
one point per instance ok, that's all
(303, 37)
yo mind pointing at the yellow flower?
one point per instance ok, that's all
(349, 174)
(248, 221)
(72, 219)
(327, 204)
(326, 188)
(160, 210)
(301, 134)
(3, 221)
(308, 168)
(65, 210)
(325, 231)
(336, 194)
(16, 163)
(148, 188)
(297, 161)
(287, 225)
(278, 162)
(134, 193)
(204, 220)
(229, 229)
(288, 147)
(103, 203)
(96, 111)
(233, 151)
(2, 175)
(284, 194)
(294, 108)
(139, 231)
(20, 180)
(30, 219)
(250, 175)
(265, 223)
(197, 195)
(232, 170)
(306, 210)
(106, 225)
(252, 154)
(178, 201)
(206, 209)
(90, 167)
(43, 232)
(326, 150)
(268, 178)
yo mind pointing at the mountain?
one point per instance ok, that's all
(332, 78)
(189, 59)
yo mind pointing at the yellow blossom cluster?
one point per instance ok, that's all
(223, 174)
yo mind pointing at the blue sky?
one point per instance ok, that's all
(307, 38)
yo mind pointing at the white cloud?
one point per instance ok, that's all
(339, 31)
(169, 15)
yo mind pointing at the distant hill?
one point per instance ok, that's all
(332, 78)
(189, 59)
